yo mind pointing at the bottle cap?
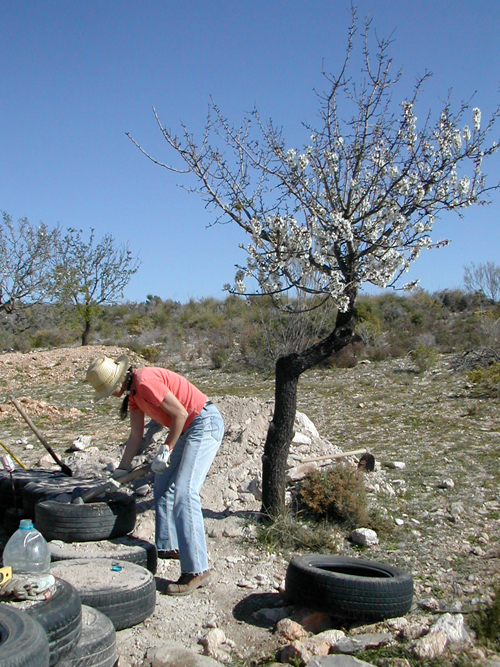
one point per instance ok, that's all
(26, 524)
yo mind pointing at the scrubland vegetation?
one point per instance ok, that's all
(238, 334)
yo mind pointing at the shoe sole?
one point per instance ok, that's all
(168, 556)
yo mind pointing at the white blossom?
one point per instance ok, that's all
(476, 118)
(393, 172)
(464, 185)
(239, 286)
(290, 157)
(302, 162)
(457, 139)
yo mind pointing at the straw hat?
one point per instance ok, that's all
(106, 375)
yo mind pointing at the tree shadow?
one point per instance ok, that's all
(245, 610)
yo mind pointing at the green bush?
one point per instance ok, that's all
(150, 353)
(49, 338)
(487, 380)
(486, 623)
(336, 493)
(424, 357)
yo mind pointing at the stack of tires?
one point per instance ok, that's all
(59, 631)
(104, 577)
(12, 487)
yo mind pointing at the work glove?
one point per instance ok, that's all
(161, 461)
(112, 485)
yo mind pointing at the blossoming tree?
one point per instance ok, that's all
(356, 205)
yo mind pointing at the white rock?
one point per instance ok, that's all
(305, 424)
(301, 439)
(365, 537)
(446, 484)
(452, 625)
(430, 646)
(294, 474)
(81, 443)
(212, 641)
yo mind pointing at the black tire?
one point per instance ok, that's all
(97, 644)
(50, 488)
(349, 588)
(127, 548)
(61, 618)
(21, 478)
(127, 597)
(23, 642)
(12, 519)
(89, 522)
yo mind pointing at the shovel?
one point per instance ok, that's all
(66, 469)
(79, 497)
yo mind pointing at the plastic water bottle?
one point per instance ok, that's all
(27, 551)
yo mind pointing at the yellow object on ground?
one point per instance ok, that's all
(14, 457)
(5, 574)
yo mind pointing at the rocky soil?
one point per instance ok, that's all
(436, 487)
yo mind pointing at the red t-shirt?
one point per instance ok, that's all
(153, 384)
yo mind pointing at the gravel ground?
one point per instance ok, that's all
(443, 504)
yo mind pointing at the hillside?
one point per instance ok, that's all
(440, 513)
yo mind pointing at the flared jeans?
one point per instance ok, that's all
(179, 516)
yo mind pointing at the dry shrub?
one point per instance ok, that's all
(336, 493)
(290, 533)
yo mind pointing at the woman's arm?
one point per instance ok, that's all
(173, 407)
(134, 439)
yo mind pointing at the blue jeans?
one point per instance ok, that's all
(179, 517)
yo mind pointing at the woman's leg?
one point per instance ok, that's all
(164, 489)
(202, 440)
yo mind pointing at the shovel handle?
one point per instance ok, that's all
(66, 469)
(140, 471)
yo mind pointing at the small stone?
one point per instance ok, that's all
(364, 536)
(290, 630)
(313, 621)
(430, 646)
(81, 443)
(143, 490)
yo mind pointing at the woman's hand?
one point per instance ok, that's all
(161, 461)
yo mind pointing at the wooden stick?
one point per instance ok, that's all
(66, 469)
(140, 471)
(336, 456)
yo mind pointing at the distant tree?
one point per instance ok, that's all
(90, 274)
(356, 204)
(26, 252)
(483, 279)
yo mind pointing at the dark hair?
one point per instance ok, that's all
(124, 406)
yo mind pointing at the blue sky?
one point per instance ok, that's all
(76, 75)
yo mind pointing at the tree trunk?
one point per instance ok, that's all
(280, 433)
(86, 332)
